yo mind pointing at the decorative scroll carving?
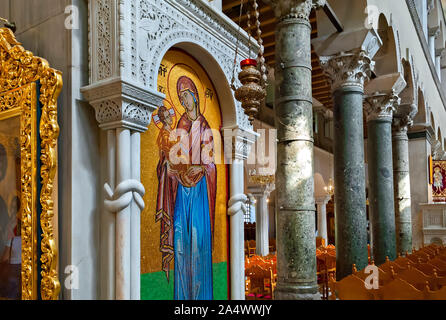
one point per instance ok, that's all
(29, 192)
(300, 9)
(21, 68)
(401, 124)
(380, 106)
(348, 69)
(115, 110)
(19, 102)
(104, 48)
(157, 25)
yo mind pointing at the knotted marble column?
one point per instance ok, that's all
(379, 108)
(401, 177)
(237, 144)
(123, 117)
(348, 70)
(296, 246)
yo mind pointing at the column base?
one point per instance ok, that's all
(290, 292)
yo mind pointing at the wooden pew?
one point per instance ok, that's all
(349, 288)
(398, 289)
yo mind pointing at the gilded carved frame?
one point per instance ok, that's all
(19, 74)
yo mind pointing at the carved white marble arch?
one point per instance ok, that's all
(212, 66)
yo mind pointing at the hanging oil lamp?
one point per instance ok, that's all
(253, 90)
(251, 93)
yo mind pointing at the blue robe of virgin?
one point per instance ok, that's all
(193, 224)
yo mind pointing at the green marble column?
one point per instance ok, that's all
(350, 197)
(379, 109)
(296, 244)
(348, 71)
(401, 177)
(346, 59)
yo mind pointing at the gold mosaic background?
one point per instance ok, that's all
(175, 64)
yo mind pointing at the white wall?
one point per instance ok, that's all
(40, 29)
(323, 163)
(419, 150)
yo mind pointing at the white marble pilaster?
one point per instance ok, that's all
(321, 203)
(262, 225)
(135, 222)
(123, 216)
(123, 110)
(262, 194)
(237, 143)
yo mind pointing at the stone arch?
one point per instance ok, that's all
(217, 64)
(433, 17)
(440, 40)
(409, 96)
(440, 137)
(319, 185)
(432, 123)
(387, 60)
(421, 116)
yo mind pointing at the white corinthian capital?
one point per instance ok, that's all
(346, 57)
(294, 8)
(382, 98)
(347, 69)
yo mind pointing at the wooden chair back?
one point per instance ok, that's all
(251, 248)
(403, 261)
(257, 276)
(429, 269)
(383, 277)
(320, 242)
(440, 264)
(399, 289)
(435, 295)
(330, 261)
(388, 265)
(416, 278)
(272, 245)
(349, 288)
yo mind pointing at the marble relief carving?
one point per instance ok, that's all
(380, 106)
(104, 48)
(163, 24)
(348, 69)
(155, 26)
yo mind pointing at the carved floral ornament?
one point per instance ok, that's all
(20, 70)
(300, 9)
(380, 106)
(348, 69)
(402, 124)
(156, 26)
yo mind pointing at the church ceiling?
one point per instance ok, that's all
(321, 87)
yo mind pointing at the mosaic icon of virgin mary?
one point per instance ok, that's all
(186, 201)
